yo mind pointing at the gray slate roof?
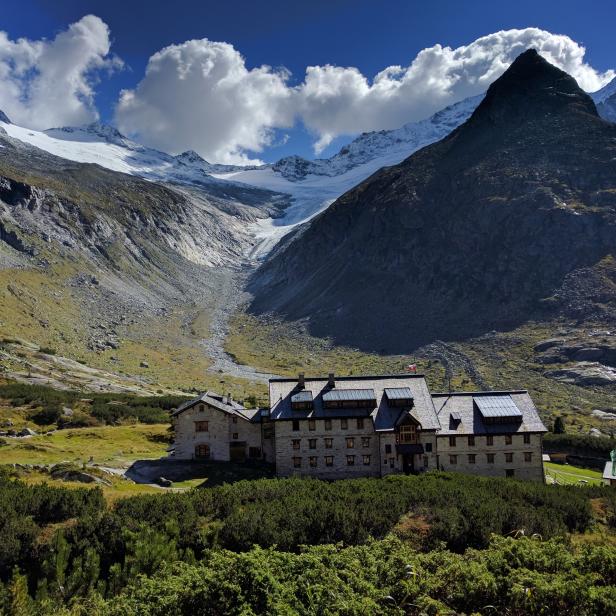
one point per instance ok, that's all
(384, 416)
(471, 420)
(348, 395)
(216, 401)
(398, 393)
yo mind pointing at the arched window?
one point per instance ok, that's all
(202, 451)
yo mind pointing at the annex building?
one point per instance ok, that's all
(367, 426)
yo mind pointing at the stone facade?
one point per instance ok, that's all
(514, 455)
(204, 430)
(327, 449)
(367, 427)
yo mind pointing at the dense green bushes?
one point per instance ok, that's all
(580, 444)
(25, 509)
(512, 576)
(460, 510)
(387, 577)
(70, 545)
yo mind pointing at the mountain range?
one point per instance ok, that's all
(116, 254)
(494, 225)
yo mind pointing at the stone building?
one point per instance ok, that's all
(497, 434)
(214, 427)
(367, 426)
(352, 426)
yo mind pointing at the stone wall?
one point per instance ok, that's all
(285, 435)
(522, 469)
(222, 428)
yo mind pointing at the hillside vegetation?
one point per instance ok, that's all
(437, 543)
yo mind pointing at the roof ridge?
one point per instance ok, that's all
(495, 392)
(358, 377)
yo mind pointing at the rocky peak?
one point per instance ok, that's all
(105, 130)
(468, 235)
(605, 99)
(107, 133)
(531, 88)
(190, 157)
(4, 118)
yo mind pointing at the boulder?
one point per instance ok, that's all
(144, 364)
(163, 482)
(26, 432)
(603, 415)
(548, 344)
(550, 358)
(588, 354)
(584, 374)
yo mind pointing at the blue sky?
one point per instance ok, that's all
(368, 36)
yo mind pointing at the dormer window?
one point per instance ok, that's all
(408, 434)
(349, 398)
(399, 396)
(498, 409)
(302, 401)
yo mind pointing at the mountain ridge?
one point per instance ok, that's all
(469, 234)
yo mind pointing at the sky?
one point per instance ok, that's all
(245, 81)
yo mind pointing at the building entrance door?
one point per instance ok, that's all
(408, 463)
(237, 452)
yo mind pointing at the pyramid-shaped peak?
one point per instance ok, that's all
(531, 85)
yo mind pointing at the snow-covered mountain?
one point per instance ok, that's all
(605, 99)
(388, 146)
(311, 184)
(104, 145)
(314, 185)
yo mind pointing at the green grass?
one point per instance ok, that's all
(282, 348)
(504, 360)
(119, 488)
(114, 446)
(567, 474)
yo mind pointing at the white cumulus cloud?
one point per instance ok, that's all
(47, 83)
(335, 101)
(201, 96)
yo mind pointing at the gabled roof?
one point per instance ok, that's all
(383, 415)
(466, 406)
(219, 402)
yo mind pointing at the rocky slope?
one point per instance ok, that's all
(114, 270)
(504, 220)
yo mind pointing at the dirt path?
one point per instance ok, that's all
(229, 297)
(454, 361)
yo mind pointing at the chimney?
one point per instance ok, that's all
(224, 399)
(301, 380)
(229, 398)
(330, 380)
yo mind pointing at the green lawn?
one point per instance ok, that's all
(115, 446)
(567, 474)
